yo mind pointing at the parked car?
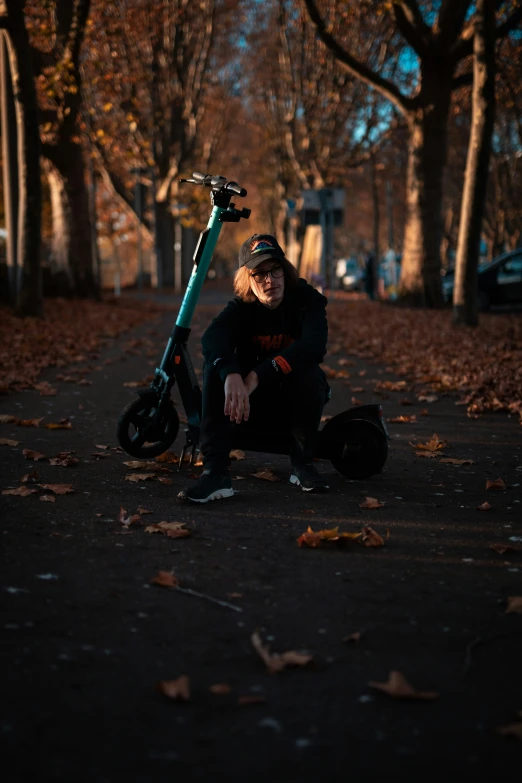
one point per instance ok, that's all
(349, 274)
(499, 281)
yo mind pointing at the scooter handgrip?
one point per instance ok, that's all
(233, 187)
(199, 176)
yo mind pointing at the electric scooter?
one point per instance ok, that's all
(355, 441)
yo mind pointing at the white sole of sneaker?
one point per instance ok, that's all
(217, 495)
(295, 480)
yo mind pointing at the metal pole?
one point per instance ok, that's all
(177, 253)
(10, 159)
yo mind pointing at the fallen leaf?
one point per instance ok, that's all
(433, 444)
(34, 455)
(514, 604)
(29, 422)
(453, 461)
(165, 579)
(356, 401)
(100, 446)
(64, 462)
(371, 503)
(48, 498)
(429, 454)
(58, 489)
(276, 662)
(503, 548)
(497, 485)
(60, 425)
(9, 442)
(30, 478)
(6, 418)
(143, 511)
(403, 420)
(21, 491)
(234, 595)
(220, 689)
(168, 457)
(248, 699)
(512, 730)
(127, 520)
(371, 538)
(45, 389)
(170, 529)
(237, 454)
(175, 689)
(399, 688)
(144, 465)
(427, 398)
(405, 401)
(353, 637)
(267, 474)
(140, 476)
(484, 506)
(314, 538)
(168, 481)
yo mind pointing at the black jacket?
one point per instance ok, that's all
(249, 336)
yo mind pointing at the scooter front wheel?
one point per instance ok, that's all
(145, 431)
(359, 450)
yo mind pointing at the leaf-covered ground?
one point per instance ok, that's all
(71, 332)
(483, 365)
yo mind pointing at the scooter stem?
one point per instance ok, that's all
(202, 258)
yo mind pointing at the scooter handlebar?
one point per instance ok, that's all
(216, 182)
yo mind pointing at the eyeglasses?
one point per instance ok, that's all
(275, 271)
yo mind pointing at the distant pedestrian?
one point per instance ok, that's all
(369, 278)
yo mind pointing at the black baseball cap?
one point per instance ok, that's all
(260, 247)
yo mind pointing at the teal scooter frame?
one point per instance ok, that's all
(356, 441)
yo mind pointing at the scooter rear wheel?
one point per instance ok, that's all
(360, 449)
(143, 431)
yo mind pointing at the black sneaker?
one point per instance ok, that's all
(307, 477)
(211, 485)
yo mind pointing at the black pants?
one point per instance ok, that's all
(294, 403)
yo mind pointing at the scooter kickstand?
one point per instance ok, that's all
(181, 458)
(192, 455)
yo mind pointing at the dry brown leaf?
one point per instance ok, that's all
(168, 457)
(48, 498)
(45, 389)
(9, 442)
(137, 464)
(356, 401)
(140, 476)
(453, 461)
(371, 538)
(64, 424)
(64, 462)
(6, 418)
(315, 538)
(143, 511)
(497, 485)
(371, 503)
(58, 489)
(165, 579)
(164, 480)
(353, 637)
(433, 444)
(511, 730)
(399, 688)
(267, 474)
(429, 454)
(101, 446)
(30, 478)
(427, 398)
(514, 604)
(127, 520)
(34, 455)
(237, 454)
(503, 548)
(29, 422)
(276, 662)
(170, 529)
(175, 689)
(21, 491)
(403, 420)
(220, 689)
(250, 699)
(484, 506)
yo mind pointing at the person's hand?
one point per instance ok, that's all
(237, 404)
(251, 382)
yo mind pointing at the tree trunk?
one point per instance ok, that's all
(29, 298)
(465, 306)
(420, 282)
(165, 239)
(72, 267)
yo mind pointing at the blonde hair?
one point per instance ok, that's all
(242, 280)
